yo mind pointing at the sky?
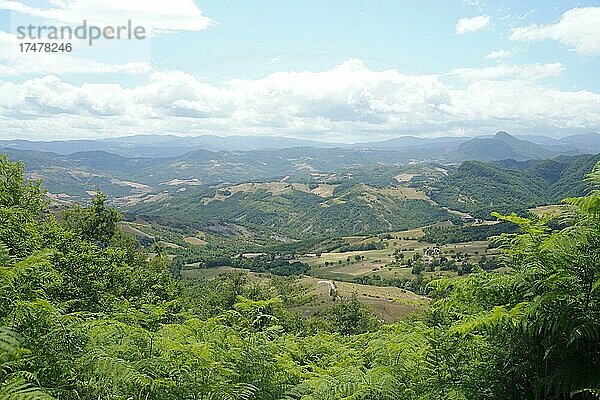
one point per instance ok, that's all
(330, 70)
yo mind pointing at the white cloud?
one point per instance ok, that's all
(15, 63)
(498, 55)
(347, 102)
(276, 59)
(6, 70)
(468, 25)
(578, 28)
(157, 16)
(526, 107)
(503, 72)
(43, 97)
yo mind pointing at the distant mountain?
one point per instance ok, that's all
(589, 142)
(98, 160)
(163, 167)
(586, 143)
(449, 149)
(541, 140)
(35, 159)
(76, 175)
(157, 146)
(413, 142)
(501, 146)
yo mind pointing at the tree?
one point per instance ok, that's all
(398, 255)
(86, 315)
(16, 191)
(97, 223)
(21, 205)
(351, 317)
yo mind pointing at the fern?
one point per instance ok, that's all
(14, 385)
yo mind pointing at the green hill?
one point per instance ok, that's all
(506, 186)
(293, 214)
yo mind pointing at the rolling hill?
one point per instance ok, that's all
(508, 186)
(293, 212)
(284, 210)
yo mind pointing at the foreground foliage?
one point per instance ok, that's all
(86, 315)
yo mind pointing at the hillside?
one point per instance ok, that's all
(507, 186)
(346, 203)
(294, 212)
(86, 314)
(371, 188)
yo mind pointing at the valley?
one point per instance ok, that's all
(357, 215)
(334, 245)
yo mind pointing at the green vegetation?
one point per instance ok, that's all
(84, 314)
(458, 234)
(509, 186)
(354, 208)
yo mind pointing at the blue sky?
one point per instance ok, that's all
(413, 37)
(330, 69)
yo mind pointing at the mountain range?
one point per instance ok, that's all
(139, 165)
(165, 146)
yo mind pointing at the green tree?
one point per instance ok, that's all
(351, 317)
(97, 223)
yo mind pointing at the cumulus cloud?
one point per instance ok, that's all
(49, 96)
(498, 55)
(156, 16)
(347, 102)
(527, 107)
(578, 29)
(469, 25)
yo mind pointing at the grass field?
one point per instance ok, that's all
(404, 178)
(341, 269)
(194, 241)
(551, 209)
(406, 193)
(206, 273)
(389, 303)
(346, 266)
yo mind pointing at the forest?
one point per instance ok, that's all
(512, 186)
(86, 313)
